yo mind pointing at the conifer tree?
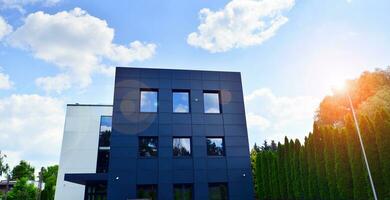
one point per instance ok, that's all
(359, 173)
(296, 170)
(265, 174)
(342, 165)
(274, 176)
(318, 138)
(329, 149)
(312, 169)
(281, 172)
(304, 171)
(287, 167)
(382, 130)
(371, 148)
(259, 180)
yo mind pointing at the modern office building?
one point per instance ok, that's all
(176, 134)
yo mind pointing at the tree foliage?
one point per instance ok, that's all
(23, 170)
(49, 176)
(329, 164)
(22, 190)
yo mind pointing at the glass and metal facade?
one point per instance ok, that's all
(175, 134)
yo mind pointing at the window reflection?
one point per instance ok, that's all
(105, 131)
(148, 102)
(181, 147)
(182, 191)
(211, 102)
(148, 146)
(180, 101)
(147, 192)
(218, 191)
(215, 147)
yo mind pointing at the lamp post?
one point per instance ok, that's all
(362, 146)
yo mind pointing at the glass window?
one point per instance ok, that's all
(105, 131)
(182, 191)
(148, 146)
(181, 147)
(147, 192)
(148, 101)
(218, 191)
(215, 147)
(211, 102)
(102, 161)
(180, 101)
(96, 191)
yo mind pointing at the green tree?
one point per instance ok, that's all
(359, 174)
(318, 139)
(22, 191)
(343, 168)
(296, 176)
(259, 174)
(330, 162)
(382, 129)
(265, 174)
(281, 172)
(304, 170)
(287, 166)
(23, 170)
(49, 177)
(274, 176)
(312, 169)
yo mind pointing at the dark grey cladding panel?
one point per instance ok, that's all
(126, 106)
(165, 130)
(196, 84)
(200, 164)
(196, 75)
(211, 85)
(127, 93)
(147, 176)
(199, 141)
(127, 72)
(148, 129)
(217, 175)
(230, 76)
(237, 151)
(165, 106)
(147, 164)
(165, 152)
(183, 176)
(240, 162)
(121, 164)
(150, 73)
(165, 163)
(181, 118)
(149, 83)
(233, 108)
(230, 85)
(213, 119)
(197, 118)
(125, 118)
(124, 129)
(228, 96)
(181, 84)
(182, 164)
(165, 94)
(199, 151)
(165, 141)
(200, 175)
(181, 74)
(181, 130)
(215, 163)
(196, 107)
(165, 83)
(148, 118)
(236, 141)
(124, 152)
(165, 176)
(126, 83)
(124, 140)
(235, 130)
(210, 76)
(201, 190)
(165, 118)
(214, 130)
(167, 190)
(234, 119)
(165, 74)
(242, 189)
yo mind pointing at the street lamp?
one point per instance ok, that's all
(361, 144)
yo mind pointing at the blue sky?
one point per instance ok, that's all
(290, 53)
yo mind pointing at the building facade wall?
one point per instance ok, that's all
(127, 169)
(79, 147)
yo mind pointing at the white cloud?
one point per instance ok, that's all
(5, 28)
(241, 23)
(20, 4)
(279, 116)
(31, 128)
(254, 120)
(77, 43)
(5, 82)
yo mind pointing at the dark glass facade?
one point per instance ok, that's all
(200, 107)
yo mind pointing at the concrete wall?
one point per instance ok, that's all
(127, 169)
(79, 147)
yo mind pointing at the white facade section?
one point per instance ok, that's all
(79, 147)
